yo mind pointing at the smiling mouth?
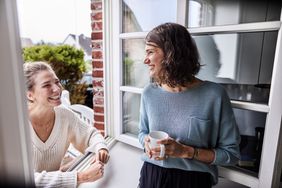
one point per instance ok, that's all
(151, 67)
(55, 97)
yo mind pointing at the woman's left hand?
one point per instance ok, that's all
(103, 156)
(173, 149)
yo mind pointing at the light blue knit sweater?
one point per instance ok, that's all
(201, 117)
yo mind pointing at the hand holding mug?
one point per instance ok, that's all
(152, 147)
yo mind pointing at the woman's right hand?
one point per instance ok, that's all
(147, 148)
(93, 173)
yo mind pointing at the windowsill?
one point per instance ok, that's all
(122, 170)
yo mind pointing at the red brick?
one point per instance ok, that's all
(99, 126)
(97, 26)
(97, 55)
(98, 109)
(98, 83)
(98, 118)
(96, 6)
(97, 64)
(98, 92)
(97, 16)
(98, 101)
(97, 45)
(98, 73)
(97, 36)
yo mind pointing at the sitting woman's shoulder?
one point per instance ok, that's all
(63, 110)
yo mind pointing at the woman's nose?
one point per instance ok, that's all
(146, 60)
(56, 88)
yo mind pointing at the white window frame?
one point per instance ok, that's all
(15, 150)
(270, 168)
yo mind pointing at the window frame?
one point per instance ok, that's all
(15, 148)
(270, 168)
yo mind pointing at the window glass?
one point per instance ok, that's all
(130, 110)
(146, 14)
(203, 13)
(135, 72)
(251, 125)
(249, 93)
(244, 61)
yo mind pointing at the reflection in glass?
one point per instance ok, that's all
(243, 60)
(135, 72)
(251, 125)
(146, 14)
(237, 58)
(130, 112)
(203, 13)
(249, 93)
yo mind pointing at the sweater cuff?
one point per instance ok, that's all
(95, 148)
(56, 179)
(71, 179)
(215, 155)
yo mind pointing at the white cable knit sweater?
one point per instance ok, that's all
(47, 156)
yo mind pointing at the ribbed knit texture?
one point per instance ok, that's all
(201, 117)
(47, 157)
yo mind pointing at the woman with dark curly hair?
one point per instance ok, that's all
(196, 114)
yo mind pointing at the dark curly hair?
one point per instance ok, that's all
(181, 56)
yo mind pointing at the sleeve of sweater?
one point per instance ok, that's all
(143, 122)
(56, 179)
(85, 137)
(227, 151)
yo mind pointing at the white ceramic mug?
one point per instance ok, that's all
(155, 136)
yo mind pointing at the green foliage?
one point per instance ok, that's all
(68, 64)
(127, 67)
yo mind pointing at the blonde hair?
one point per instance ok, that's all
(31, 69)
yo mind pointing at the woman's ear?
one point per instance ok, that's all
(29, 96)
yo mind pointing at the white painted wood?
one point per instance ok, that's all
(269, 159)
(131, 89)
(129, 139)
(250, 106)
(247, 27)
(15, 151)
(116, 68)
(108, 45)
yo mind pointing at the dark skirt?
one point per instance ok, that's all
(153, 176)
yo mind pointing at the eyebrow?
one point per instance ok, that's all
(46, 82)
(49, 81)
(150, 44)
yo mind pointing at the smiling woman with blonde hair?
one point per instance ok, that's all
(54, 127)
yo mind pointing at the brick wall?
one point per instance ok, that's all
(97, 63)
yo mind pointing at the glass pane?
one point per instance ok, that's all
(130, 112)
(251, 125)
(242, 62)
(146, 14)
(135, 72)
(224, 12)
(249, 93)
